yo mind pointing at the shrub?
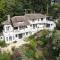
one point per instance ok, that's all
(29, 53)
(2, 43)
(4, 56)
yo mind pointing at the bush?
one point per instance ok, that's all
(2, 43)
(29, 53)
(16, 56)
(4, 56)
(58, 23)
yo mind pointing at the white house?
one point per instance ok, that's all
(19, 27)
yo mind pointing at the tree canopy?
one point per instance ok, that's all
(17, 7)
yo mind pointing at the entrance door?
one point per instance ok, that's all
(20, 36)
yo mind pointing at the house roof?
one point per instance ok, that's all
(34, 16)
(23, 20)
(19, 21)
(6, 22)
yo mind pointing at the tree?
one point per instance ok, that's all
(17, 7)
(2, 43)
(54, 11)
(45, 42)
(4, 56)
(58, 24)
(2, 10)
(37, 44)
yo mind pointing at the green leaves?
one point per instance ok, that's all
(17, 7)
(33, 44)
(2, 4)
(4, 56)
(2, 43)
(58, 23)
(29, 53)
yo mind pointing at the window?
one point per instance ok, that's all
(26, 33)
(15, 28)
(47, 18)
(47, 25)
(34, 25)
(23, 34)
(7, 28)
(10, 37)
(44, 23)
(25, 26)
(51, 24)
(16, 35)
(20, 36)
(1, 38)
(22, 27)
(7, 38)
(41, 19)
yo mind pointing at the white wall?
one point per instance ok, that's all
(29, 29)
(10, 28)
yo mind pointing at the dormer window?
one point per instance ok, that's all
(7, 28)
(41, 19)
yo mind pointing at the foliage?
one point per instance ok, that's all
(29, 53)
(4, 56)
(54, 10)
(17, 7)
(35, 44)
(7, 56)
(49, 49)
(45, 45)
(2, 43)
(56, 43)
(58, 24)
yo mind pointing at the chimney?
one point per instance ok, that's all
(8, 16)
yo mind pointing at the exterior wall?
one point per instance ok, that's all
(37, 21)
(8, 28)
(11, 35)
(8, 31)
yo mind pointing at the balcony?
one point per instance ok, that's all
(22, 30)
